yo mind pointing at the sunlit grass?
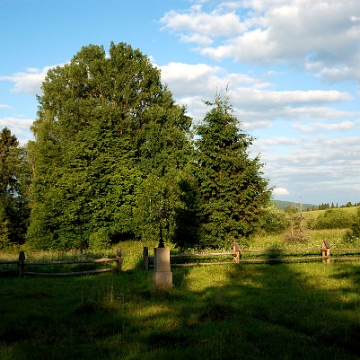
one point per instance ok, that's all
(284, 311)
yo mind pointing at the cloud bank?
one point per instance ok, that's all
(320, 36)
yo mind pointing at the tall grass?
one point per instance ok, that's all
(285, 311)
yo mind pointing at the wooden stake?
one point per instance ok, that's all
(119, 259)
(325, 251)
(236, 249)
(146, 258)
(21, 263)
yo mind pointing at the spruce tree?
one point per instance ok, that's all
(232, 191)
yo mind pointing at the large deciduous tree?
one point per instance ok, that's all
(232, 192)
(105, 124)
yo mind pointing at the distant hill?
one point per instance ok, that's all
(285, 204)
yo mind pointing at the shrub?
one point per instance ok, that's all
(99, 239)
(274, 220)
(333, 219)
(354, 233)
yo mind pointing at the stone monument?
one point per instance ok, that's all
(162, 276)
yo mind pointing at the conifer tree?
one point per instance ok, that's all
(232, 190)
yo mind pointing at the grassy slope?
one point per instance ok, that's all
(316, 213)
(297, 311)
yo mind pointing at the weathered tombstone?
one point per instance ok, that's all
(162, 276)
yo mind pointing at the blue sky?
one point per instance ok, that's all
(292, 67)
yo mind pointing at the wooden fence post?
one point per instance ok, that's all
(21, 264)
(236, 250)
(119, 259)
(146, 258)
(325, 251)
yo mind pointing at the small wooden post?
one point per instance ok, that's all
(119, 259)
(146, 258)
(21, 264)
(236, 254)
(325, 251)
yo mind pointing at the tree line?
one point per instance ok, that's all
(113, 153)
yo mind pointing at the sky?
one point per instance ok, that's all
(291, 68)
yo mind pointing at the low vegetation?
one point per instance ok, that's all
(297, 310)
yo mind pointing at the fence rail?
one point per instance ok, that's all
(237, 254)
(323, 253)
(149, 260)
(21, 264)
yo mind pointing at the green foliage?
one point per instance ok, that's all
(274, 220)
(354, 233)
(13, 187)
(105, 125)
(4, 229)
(99, 239)
(232, 192)
(291, 210)
(186, 213)
(333, 219)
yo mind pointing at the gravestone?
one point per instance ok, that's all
(162, 276)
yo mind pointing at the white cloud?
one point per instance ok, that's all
(28, 82)
(185, 79)
(206, 24)
(200, 39)
(280, 191)
(230, 4)
(16, 123)
(248, 96)
(252, 125)
(319, 126)
(20, 127)
(315, 34)
(4, 106)
(341, 72)
(318, 166)
(268, 113)
(254, 105)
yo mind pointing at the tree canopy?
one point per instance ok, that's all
(105, 124)
(113, 153)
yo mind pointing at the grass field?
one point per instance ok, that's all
(314, 214)
(284, 311)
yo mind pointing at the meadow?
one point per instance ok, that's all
(307, 310)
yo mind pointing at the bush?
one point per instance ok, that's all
(274, 220)
(333, 219)
(99, 239)
(354, 233)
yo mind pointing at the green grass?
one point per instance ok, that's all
(316, 213)
(284, 311)
(316, 237)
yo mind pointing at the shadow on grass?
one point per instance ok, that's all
(280, 311)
